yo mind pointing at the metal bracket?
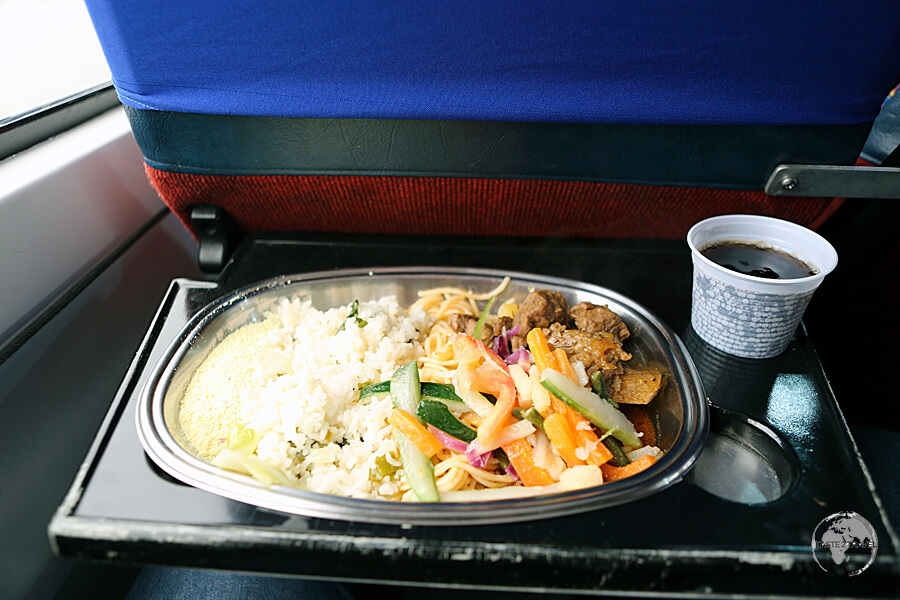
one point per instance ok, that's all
(831, 181)
(217, 235)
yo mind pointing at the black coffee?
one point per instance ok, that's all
(758, 261)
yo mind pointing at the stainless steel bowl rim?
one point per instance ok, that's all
(171, 457)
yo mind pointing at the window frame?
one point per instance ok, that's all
(20, 132)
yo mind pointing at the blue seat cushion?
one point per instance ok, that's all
(767, 62)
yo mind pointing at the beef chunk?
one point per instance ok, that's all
(635, 385)
(463, 323)
(541, 308)
(493, 326)
(593, 318)
(597, 351)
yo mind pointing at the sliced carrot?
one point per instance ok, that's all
(586, 438)
(583, 435)
(563, 439)
(612, 473)
(598, 453)
(540, 349)
(409, 426)
(558, 406)
(565, 367)
(521, 456)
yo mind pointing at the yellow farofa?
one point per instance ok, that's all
(211, 406)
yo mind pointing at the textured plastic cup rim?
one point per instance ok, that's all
(823, 264)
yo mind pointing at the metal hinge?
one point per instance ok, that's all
(837, 182)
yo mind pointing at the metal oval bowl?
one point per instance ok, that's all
(680, 411)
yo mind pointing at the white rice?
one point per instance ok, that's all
(302, 390)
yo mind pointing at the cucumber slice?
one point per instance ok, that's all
(436, 413)
(453, 405)
(443, 392)
(405, 388)
(381, 388)
(440, 391)
(418, 468)
(596, 410)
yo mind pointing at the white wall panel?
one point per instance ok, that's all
(64, 205)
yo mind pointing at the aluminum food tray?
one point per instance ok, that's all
(679, 412)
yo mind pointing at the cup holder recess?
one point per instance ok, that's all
(744, 461)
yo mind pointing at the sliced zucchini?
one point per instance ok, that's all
(405, 388)
(436, 413)
(382, 388)
(596, 410)
(453, 405)
(419, 470)
(442, 392)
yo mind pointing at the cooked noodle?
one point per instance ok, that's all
(455, 465)
(452, 471)
(438, 362)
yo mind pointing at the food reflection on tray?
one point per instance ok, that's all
(453, 398)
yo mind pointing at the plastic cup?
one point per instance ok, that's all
(744, 315)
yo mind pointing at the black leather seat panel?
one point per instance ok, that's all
(729, 156)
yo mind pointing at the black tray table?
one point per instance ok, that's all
(685, 540)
